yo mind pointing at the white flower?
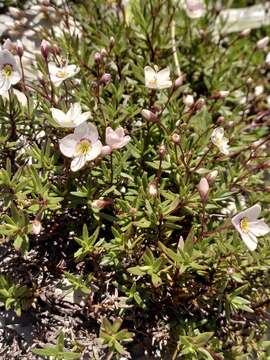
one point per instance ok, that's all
(195, 8)
(10, 72)
(116, 139)
(73, 118)
(20, 96)
(220, 140)
(249, 227)
(82, 146)
(155, 79)
(59, 74)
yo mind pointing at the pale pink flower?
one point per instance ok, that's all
(249, 227)
(195, 8)
(155, 79)
(82, 146)
(72, 118)
(116, 139)
(59, 74)
(10, 72)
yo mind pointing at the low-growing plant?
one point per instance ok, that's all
(135, 163)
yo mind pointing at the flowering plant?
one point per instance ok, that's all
(134, 169)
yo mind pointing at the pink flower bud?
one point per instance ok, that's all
(176, 138)
(103, 52)
(179, 81)
(106, 78)
(188, 100)
(162, 150)
(112, 42)
(262, 43)
(199, 104)
(152, 188)
(223, 93)
(149, 115)
(245, 33)
(45, 48)
(106, 150)
(211, 176)
(36, 227)
(203, 189)
(100, 203)
(97, 57)
(19, 48)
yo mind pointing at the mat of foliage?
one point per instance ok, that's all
(120, 244)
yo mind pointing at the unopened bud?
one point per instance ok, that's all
(176, 138)
(19, 48)
(106, 78)
(106, 150)
(36, 227)
(188, 100)
(223, 93)
(245, 33)
(210, 177)
(258, 90)
(97, 57)
(199, 104)
(181, 243)
(112, 42)
(262, 43)
(103, 53)
(55, 50)
(220, 120)
(45, 48)
(95, 88)
(179, 81)
(100, 203)
(203, 189)
(149, 115)
(249, 81)
(162, 150)
(152, 188)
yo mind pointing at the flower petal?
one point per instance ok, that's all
(74, 111)
(88, 131)
(250, 240)
(259, 228)
(77, 163)
(95, 151)
(59, 116)
(68, 145)
(251, 213)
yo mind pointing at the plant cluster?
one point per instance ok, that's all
(135, 164)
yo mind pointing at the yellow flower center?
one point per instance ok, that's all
(219, 140)
(83, 147)
(244, 225)
(61, 74)
(7, 70)
(153, 82)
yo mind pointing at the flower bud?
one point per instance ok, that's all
(203, 189)
(19, 48)
(220, 120)
(179, 81)
(262, 43)
(249, 81)
(199, 104)
(152, 188)
(106, 150)
(45, 48)
(210, 177)
(103, 53)
(258, 90)
(97, 57)
(112, 42)
(36, 227)
(188, 100)
(106, 78)
(176, 138)
(162, 150)
(245, 33)
(100, 203)
(149, 115)
(223, 94)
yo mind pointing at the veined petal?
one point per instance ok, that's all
(250, 240)
(82, 118)
(4, 85)
(71, 70)
(68, 145)
(77, 163)
(59, 116)
(15, 77)
(74, 111)
(95, 151)
(88, 131)
(259, 228)
(164, 75)
(251, 214)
